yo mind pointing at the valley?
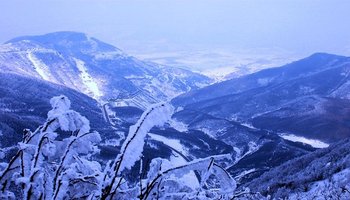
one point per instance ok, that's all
(264, 121)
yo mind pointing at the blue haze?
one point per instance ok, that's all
(141, 27)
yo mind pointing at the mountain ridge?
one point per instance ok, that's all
(258, 79)
(292, 90)
(95, 68)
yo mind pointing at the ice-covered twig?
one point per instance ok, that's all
(132, 147)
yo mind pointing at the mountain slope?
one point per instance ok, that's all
(95, 68)
(323, 118)
(315, 63)
(323, 174)
(254, 150)
(24, 103)
(307, 100)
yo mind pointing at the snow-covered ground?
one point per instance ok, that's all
(102, 73)
(90, 84)
(314, 143)
(219, 64)
(173, 143)
(179, 126)
(39, 66)
(188, 179)
(245, 172)
(336, 187)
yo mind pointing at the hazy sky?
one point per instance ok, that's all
(298, 26)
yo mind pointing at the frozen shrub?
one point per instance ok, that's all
(46, 167)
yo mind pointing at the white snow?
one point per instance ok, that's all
(178, 109)
(313, 142)
(201, 85)
(173, 143)
(112, 142)
(306, 90)
(248, 125)
(67, 119)
(325, 189)
(178, 125)
(253, 147)
(132, 76)
(166, 87)
(208, 132)
(264, 81)
(243, 123)
(188, 179)
(90, 84)
(218, 63)
(245, 172)
(155, 115)
(39, 66)
(238, 154)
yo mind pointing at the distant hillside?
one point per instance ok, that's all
(307, 98)
(95, 68)
(323, 174)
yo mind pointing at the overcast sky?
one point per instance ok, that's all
(299, 26)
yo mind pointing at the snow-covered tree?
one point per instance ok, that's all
(51, 164)
(47, 168)
(162, 180)
(132, 147)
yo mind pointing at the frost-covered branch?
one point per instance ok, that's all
(47, 168)
(132, 147)
(35, 167)
(205, 165)
(70, 153)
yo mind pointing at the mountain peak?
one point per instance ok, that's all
(55, 36)
(323, 55)
(68, 41)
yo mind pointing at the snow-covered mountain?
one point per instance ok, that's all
(260, 120)
(318, 62)
(254, 150)
(323, 174)
(25, 101)
(95, 68)
(302, 98)
(24, 104)
(273, 115)
(104, 84)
